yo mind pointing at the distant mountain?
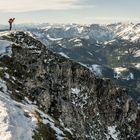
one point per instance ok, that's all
(101, 33)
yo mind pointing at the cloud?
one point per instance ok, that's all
(34, 5)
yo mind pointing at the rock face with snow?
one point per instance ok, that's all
(101, 48)
(70, 101)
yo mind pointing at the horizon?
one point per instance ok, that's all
(41, 23)
(70, 11)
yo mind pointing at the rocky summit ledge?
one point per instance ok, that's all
(81, 105)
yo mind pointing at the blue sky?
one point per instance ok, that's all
(70, 11)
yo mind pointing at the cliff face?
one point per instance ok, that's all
(83, 106)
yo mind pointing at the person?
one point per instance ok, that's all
(11, 20)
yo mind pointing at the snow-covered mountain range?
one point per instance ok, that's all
(46, 96)
(100, 33)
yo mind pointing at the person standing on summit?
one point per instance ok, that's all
(11, 20)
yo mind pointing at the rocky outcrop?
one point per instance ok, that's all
(83, 106)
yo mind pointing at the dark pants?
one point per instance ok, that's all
(10, 26)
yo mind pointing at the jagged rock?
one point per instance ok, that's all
(90, 107)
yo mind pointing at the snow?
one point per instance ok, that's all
(53, 39)
(77, 40)
(68, 130)
(123, 73)
(96, 69)
(90, 53)
(118, 57)
(75, 91)
(3, 87)
(113, 133)
(129, 32)
(137, 53)
(79, 98)
(47, 120)
(67, 28)
(131, 76)
(71, 39)
(102, 33)
(5, 33)
(78, 44)
(80, 29)
(5, 48)
(37, 51)
(135, 38)
(13, 78)
(109, 42)
(30, 34)
(63, 54)
(32, 47)
(26, 99)
(6, 75)
(137, 65)
(119, 70)
(83, 64)
(14, 125)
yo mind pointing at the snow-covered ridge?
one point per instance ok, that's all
(13, 123)
(5, 48)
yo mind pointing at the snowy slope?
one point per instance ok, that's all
(5, 48)
(130, 32)
(13, 122)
